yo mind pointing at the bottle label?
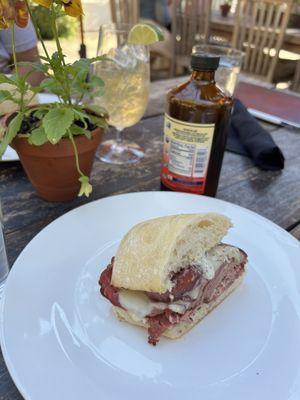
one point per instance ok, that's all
(186, 153)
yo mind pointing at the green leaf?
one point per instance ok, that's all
(40, 67)
(98, 110)
(76, 130)
(56, 123)
(81, 116)
(12, 130)
(38, 136)
(6, 79)
(56, 61)
(44, 58)
(101, 122)
(96, 81)
(36, 89)
(5, 95)
(40, 113)
(83, 63)
(98, 58)
(37, 66)
(52, 86)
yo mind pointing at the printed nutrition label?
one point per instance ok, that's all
(187, 147)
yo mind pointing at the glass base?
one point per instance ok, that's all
(123, 152)
(2, 284)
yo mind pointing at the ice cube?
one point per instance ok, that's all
(141, 52)
(123, 56)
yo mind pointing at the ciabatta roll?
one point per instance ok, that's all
(170, 272)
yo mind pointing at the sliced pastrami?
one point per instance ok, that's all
(106, 288)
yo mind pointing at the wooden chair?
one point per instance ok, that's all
(296, 80)
(259, 32)
(125, 11)
(190, 26)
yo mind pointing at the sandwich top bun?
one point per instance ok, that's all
(151, 250)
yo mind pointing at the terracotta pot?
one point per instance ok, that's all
(51, 168)
(225, 8)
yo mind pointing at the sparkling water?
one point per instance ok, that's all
(226, 77)
(230, 64)
(127, 78)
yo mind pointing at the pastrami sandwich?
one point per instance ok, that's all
(170, 272)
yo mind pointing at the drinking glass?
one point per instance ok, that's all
(3, 258)
(126, 75)
(229, 67)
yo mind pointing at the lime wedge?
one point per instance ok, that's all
(145, 34)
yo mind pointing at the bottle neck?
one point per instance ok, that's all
(205, 76)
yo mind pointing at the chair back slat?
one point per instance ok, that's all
(250, 35)
(271, 42)
(263, 44)
(259, 32)
(190, 25)
(243, 26)
(124, 11)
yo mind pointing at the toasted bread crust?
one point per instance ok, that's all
(152, 249)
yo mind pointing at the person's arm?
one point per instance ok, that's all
(31, 55)
(26, 49)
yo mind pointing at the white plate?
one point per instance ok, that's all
(45, 98)
(61, 341)
(11, 154)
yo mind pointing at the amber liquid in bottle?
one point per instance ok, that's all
(200, 101)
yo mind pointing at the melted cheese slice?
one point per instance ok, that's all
(138, 305)
(215, 257)
(136, 302)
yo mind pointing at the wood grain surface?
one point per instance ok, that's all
(275, 195)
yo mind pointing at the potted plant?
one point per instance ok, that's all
(56, 142)
(225, 8)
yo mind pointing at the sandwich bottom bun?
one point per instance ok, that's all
(181, 328)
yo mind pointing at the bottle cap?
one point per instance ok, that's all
(204, 62)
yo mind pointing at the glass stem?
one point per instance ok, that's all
(118, 135)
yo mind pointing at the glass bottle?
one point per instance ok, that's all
(195, 130)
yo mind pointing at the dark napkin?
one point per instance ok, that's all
(249, 138)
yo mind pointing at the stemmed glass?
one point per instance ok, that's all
(230, 64)
(3, 258)
(126, 74)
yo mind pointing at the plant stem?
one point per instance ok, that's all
(52, 13)
(75, 153)
(60, 52)
(14, 54)
(55, 33)
(37, 31)
(13, 47)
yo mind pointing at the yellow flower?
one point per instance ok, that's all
(85, 187)
(13, 11)
(72, 7)
(7, 14)
(44, 3)
(4, 24)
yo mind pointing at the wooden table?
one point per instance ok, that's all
(275, 195)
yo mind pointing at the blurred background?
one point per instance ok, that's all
(189, 22)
